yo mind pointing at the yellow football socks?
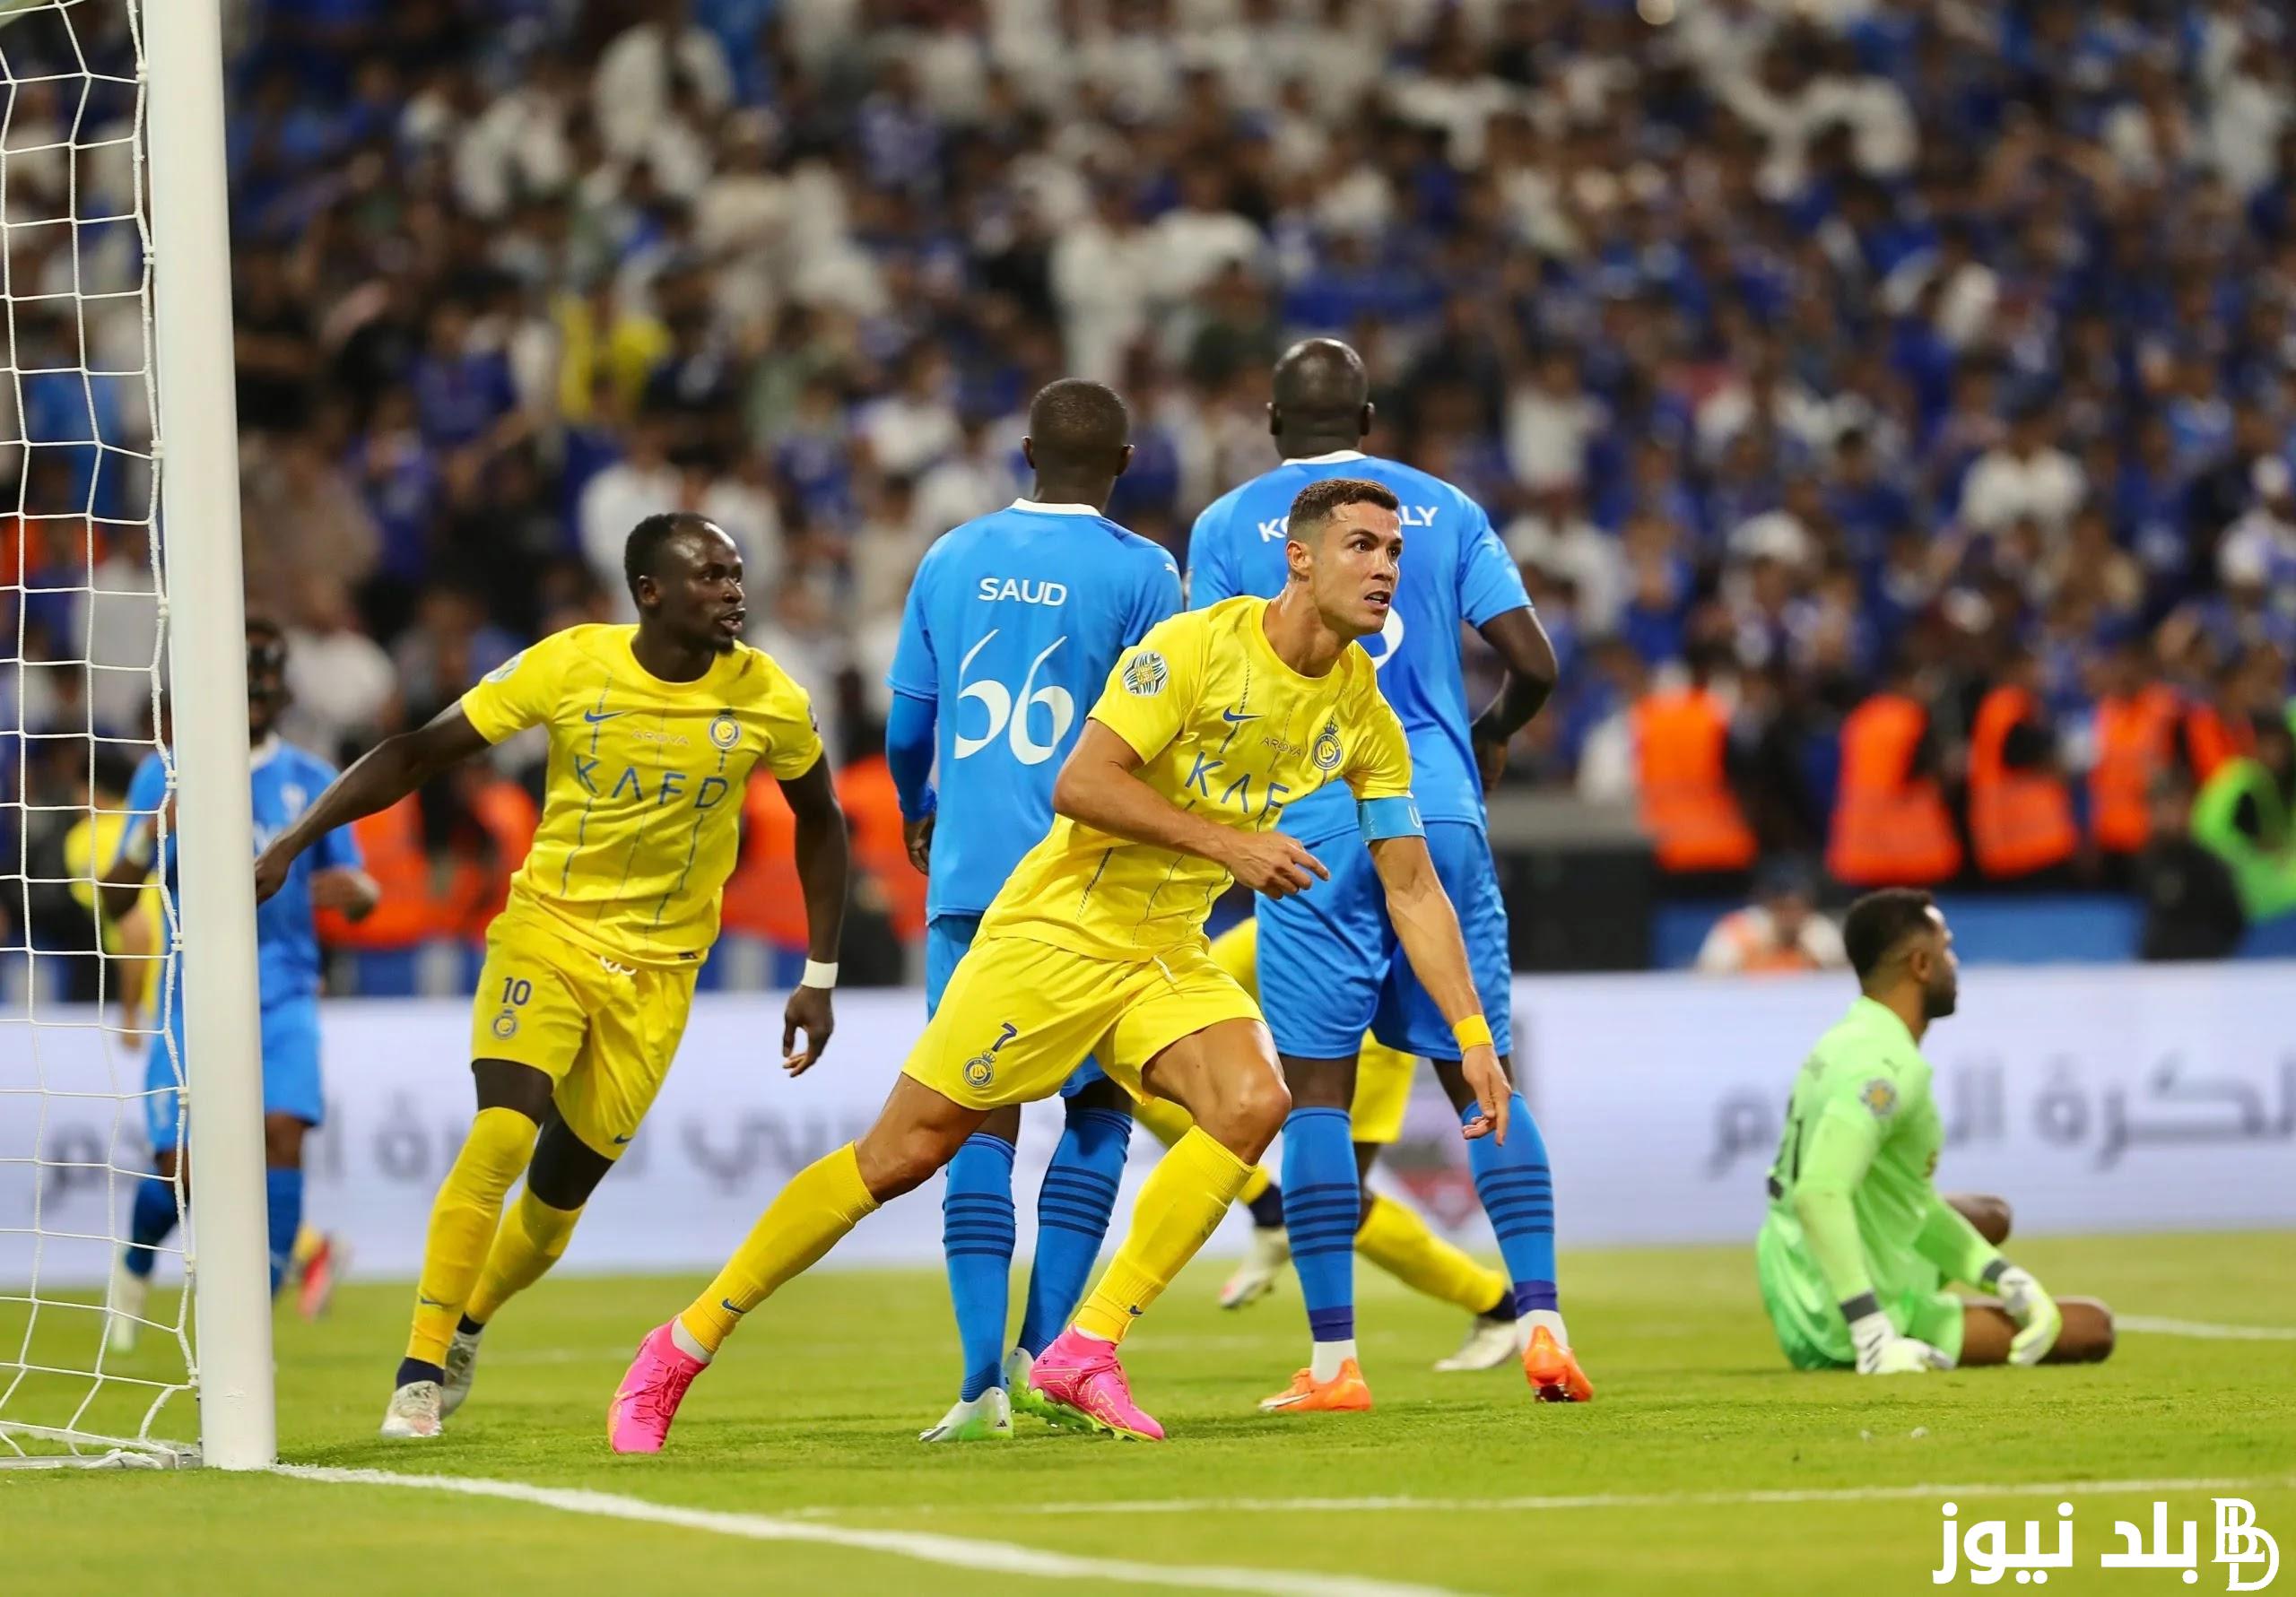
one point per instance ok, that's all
(1168, 1122)
(533, 1238)
(1180, 1207)
(821, 1202)
(1398, 1241)
(463, 1219)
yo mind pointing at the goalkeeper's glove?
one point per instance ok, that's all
(2037, 1318)
(1881, 1352)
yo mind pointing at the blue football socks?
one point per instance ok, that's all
(1072, 1211)
(976, 1236)
(1323, 1205)
(284, 1190)
(150, 1219)
(1518, 1193)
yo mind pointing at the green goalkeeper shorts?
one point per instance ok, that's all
(1808, 1321)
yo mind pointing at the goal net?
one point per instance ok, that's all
(83, 996)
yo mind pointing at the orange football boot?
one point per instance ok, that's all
(1553, 1371)
(1346, 1393)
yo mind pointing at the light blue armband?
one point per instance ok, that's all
(1381, 819)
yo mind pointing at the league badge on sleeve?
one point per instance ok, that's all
(1144, 675)
(1879, 1096)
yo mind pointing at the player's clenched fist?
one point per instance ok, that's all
(1272, 863)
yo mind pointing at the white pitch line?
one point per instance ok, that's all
(1737, 1500)
(2204, 1330)
(953, 1552)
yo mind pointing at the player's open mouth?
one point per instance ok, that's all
(1379, 598)
(732, 621)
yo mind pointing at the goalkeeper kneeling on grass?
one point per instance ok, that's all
(1858, 1246)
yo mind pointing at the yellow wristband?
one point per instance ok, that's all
(1474, 1031)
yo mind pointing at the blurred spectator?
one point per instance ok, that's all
(2192, 907)
(1780, 933)
(341, 679)
(1852, 350)
(2242, 817)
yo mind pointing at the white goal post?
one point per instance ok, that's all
(167, 429)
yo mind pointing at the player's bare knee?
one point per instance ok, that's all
(1987, 1214)
(1103, 1094)
(2089, 1335)
(895, 1160)
(283, 1142)
(1320, 1083)
(506, 1084)
(1255, 1103)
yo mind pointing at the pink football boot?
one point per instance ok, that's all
(638, 1419)
(1080, 1379)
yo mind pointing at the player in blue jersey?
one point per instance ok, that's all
(1330, 965)
(1013, 625)
(282, 782)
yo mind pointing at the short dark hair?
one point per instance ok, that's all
(1076, 422)
(643, 545)
(1317, 502)
(1880, 921)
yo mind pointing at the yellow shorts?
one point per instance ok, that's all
(602, 1031)
(1383, 1078)
(1018, 1015)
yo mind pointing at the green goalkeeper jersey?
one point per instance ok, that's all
(1853, 1209)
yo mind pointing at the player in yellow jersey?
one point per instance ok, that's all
(1390, 1234)
(1205, 730)
(654, 730)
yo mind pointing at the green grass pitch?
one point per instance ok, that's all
(811, 1419)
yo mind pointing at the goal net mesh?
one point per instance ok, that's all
(83, 996)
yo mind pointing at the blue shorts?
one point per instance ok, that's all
(291, 1070)
(946, 939)
(1330, 969)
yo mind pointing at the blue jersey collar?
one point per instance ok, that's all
(1337, 457)
(1034, 507)
(261, 754)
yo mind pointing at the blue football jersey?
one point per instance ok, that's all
(1012, 627)
(282, 782)
(1454, 568)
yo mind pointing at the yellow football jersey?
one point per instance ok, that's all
(88, 848)
(1225, 728)
(640, 820)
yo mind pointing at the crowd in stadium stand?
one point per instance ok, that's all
(1892, 402)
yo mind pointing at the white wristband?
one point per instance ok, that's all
(818, 975)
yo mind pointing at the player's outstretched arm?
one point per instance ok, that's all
(1427, 927)
(1528, 653)
(380, 777)
(823, 867)
(1099, 786)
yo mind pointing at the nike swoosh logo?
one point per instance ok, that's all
(428, 1302)
(1233, 719)
(595, 716)
(618, 1140)
(727, 1304)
